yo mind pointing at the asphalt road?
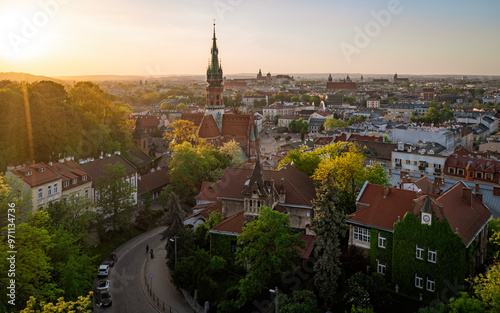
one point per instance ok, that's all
(127, 276)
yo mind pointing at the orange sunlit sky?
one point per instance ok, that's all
(158, 37)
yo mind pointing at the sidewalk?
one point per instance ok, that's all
(163, 289)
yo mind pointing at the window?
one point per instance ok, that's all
(49, 190)
(84, 177)
(408, 162)
(489, 176)
(56, 188)
(397, 161)
(380, 268)
(66, 183)
(419, 252)
(460, 171)
(40, 193)
(431, 285)
(451, 170)
(381, 241)
(479, 174)
(132, 180)
(233, 246)
(75, 180)
(431, 256)
(87, 193)
(42, 170)
(419, 282)
(437, 166)
(361, 234)
(28, 173)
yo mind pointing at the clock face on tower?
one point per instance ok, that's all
(426, 218)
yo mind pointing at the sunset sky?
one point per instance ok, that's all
(156, 37)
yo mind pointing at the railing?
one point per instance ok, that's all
(159, 304)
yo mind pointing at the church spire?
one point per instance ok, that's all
(214, 71)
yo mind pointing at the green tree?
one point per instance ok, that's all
(315, 99)
(306, 98)
(167, 106)
(330, 229)
(182, 107)
(181, 131)
(174, 220)
(73, 214)
(268, 249)
(376, 174)
(306, 162)
(331, 123)
(300, 301)
(232, 151)
(115, 197)
(82, 305)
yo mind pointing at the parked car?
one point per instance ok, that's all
(103, 298)
(111, 260)
(103, 271)
(103, 285)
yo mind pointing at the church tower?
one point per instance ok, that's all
(215, 104)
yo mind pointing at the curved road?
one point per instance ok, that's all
(127, 287)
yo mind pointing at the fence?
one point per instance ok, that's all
(162, 306)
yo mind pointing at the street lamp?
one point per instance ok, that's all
(275, 291)
(174, 240)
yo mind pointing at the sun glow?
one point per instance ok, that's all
(23, 32)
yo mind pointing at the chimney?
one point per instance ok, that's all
(467, 195)
(479, 196)
(496, 191)
(386, 191)
(50, 163)
(476, 190)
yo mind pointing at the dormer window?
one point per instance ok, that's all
(84, 177)
(28, 173)
(42, 169)
(75, 180)
(66, 183)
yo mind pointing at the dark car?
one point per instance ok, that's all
(111, 260)
(103, 298)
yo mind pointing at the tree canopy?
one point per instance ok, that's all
(267, 247)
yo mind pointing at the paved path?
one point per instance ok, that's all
(127, 283)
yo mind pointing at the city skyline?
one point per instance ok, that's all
(57, 38)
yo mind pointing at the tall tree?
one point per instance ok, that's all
(330, 228)
(268, 248)
(181, 131)
(115, 197)
(174, 220)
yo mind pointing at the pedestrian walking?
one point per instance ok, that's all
(147, 248)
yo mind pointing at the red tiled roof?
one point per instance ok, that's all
(341, 85)
(70, 170)
(207, 208)
(234, 84)
(468, 218)
(37, 178)
(208, 191)
(323, 141)
(299, 188)
(341, 137)
(359, 137)
(232, 225)
(208, 128)
(425, 184)
(383, 212)
(149, 121)
(236, 124)
(152, 181)
(193, 117)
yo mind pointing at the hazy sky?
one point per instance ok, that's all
(150, 37)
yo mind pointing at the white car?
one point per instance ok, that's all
(103, 271)
(103, 285)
